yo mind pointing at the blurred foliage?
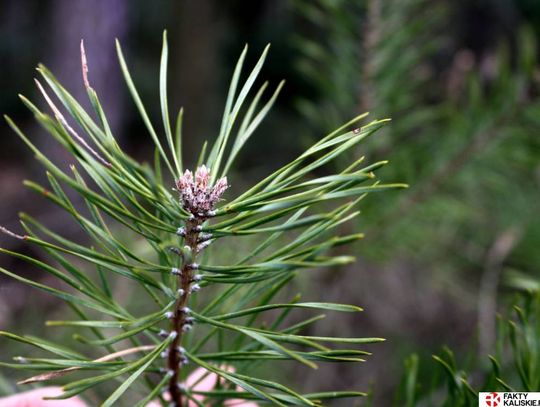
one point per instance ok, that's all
(464, 130)
(464, 136)
(514, 366)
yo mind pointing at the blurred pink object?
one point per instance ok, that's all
(34, 398)
(202, 380)
(198, 380)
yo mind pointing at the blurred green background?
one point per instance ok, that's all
(459, 78)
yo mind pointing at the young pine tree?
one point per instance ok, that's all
(170, 239)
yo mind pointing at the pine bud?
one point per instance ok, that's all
(163, 333)
(196, 278)
(187, 328)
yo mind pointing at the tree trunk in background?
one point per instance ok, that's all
(68, 21)
(98, 22)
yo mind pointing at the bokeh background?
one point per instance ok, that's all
(459, 78)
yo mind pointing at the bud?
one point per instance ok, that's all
(202, 176)
(196, 195)
(196, 278)
(203, 237)
(175, 250)
(187, 327)
(163, 333)
(219, 189)
(204, 245)
(185, 182)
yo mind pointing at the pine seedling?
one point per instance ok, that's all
(201, 309)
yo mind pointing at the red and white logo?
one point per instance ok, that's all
(502, 399)
(492, 400)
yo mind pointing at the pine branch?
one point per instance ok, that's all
(128, 202)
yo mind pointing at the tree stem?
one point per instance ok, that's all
(178, 321)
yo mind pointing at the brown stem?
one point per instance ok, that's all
(487, 293)
(178, 320)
